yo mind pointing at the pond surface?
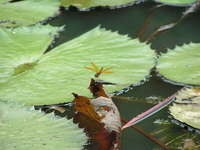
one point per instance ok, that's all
(132, 20)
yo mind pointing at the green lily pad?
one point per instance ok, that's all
(181, 64)
(24, 128)
(177, 2)
(85, 4)
(26, 12)
(52, 77)
(187, 107)
(22, 47)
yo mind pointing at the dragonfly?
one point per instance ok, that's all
(98, 71)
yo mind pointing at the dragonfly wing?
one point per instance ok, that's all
(90, 68)
(95, 67)
(105, 70)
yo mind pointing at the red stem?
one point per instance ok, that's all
(150, 112)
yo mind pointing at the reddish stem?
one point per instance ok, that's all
(150, 112)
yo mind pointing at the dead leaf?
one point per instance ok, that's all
(83, 105)
(97, 89)
(100, 118)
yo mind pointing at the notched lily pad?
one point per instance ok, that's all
(26, 12)
(85, 4)
(181, 64)
(24, 128)
(187, 107)
(177, 2)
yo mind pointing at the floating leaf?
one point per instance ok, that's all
(177, 2)
(84, 4)
(187, 107)
(181, 64)
(23, 127)
(31, 77)
(26, 12)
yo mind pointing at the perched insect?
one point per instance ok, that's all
(97, 70)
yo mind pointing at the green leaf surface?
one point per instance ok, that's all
(85, 4)
(60, 72)
(26, 12)
(181, 64)
(25, 128)
(20, 48)
(187, 107)
(177, 2)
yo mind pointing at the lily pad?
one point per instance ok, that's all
(181, 64)
(22, 47)
(26, 12)
(85, 4)
(177, 2)
(59, 72)
(24, 128)
(187, 107)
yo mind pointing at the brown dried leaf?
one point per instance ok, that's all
(97, 89)
(83, 105)
(100, 118)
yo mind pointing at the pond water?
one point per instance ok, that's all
(132, 20)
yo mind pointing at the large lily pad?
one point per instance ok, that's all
(24, 128)
(187, 107)
(26, 12)
(85, 4)
(52, 78)
(177, 2)
(181, 64)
